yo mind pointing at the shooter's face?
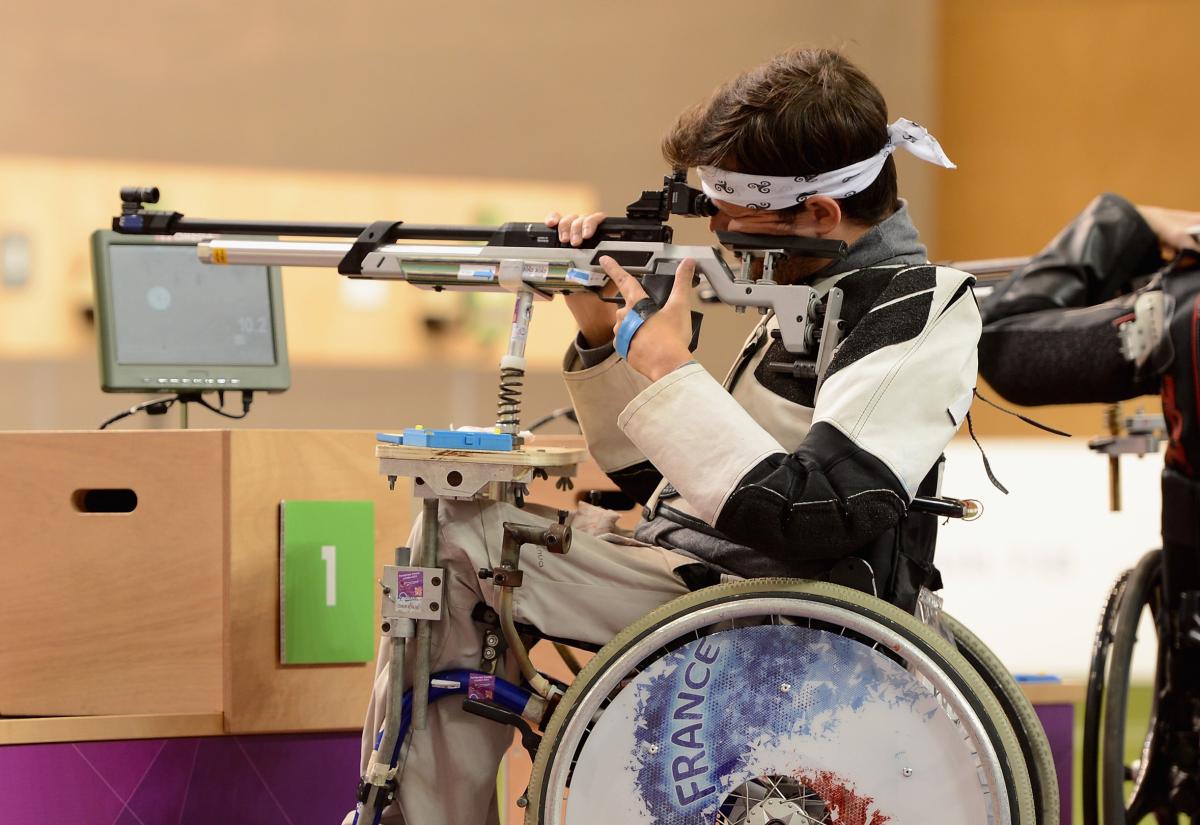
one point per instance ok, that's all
(734, 218)
(808, 221)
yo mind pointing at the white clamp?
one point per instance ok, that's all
(1142, 334)
(513, 272)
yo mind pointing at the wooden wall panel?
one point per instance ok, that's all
(173, 608)
(111, 613)
(1047, 103)
(268, 466)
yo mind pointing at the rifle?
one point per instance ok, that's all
(521, 256)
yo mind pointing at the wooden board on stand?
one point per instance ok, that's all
(544, 457)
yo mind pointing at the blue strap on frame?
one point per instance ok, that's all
(629, 327)
(638, 314)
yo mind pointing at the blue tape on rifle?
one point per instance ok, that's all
(629, 327)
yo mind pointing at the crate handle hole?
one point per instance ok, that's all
(105, 500)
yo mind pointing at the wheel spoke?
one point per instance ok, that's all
(770, 799)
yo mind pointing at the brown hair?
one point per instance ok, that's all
(803, 112)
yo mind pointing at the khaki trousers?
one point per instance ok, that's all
(602, 585)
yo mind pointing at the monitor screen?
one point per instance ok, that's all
(169, 323)
(168, 308)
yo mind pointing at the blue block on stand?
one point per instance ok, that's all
(449, 439)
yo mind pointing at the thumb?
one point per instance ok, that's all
(681, 290)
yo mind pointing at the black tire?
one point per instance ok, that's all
(1090, 759)
(1024, 719)
(1142, 590)
(1011, 764)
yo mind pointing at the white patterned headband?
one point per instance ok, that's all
(768, 192)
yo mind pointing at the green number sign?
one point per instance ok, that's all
(326, 582)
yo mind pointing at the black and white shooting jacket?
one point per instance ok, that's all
(757, 476)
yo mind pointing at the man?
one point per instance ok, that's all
(759, 475)
(1051, 334)
(1058, 332)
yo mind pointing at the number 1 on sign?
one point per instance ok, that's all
(329, 556)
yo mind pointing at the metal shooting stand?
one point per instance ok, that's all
(413, 594)
(1138, 435)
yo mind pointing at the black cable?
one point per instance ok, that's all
(561, 412)
(156, 406)
(1024, 418)
(247, 400)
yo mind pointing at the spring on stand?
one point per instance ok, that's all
(509, 409)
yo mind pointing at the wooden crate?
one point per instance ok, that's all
(172, 608)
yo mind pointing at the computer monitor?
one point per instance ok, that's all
(168, 323)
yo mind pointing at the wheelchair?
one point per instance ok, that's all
(1163, 780)
(791, 701)
(758, 702)
(1129, 776)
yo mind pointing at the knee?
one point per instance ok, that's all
(462, 548)
(471, 535)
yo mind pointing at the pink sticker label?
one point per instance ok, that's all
(481, 686)
(410, 584)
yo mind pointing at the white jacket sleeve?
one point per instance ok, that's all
(599, 393)
(897, 390)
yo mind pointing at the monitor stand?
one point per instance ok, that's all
(186, 398)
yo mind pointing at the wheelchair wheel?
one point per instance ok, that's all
(1090, 758)
(1034, 746)
(779, 701)
(1124, 796)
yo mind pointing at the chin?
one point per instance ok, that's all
(795, 270)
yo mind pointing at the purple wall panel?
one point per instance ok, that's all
(303, 779)
(1059, 722)
(53, 782)
(122, 765)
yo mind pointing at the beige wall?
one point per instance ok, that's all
(1042, 104)
(558, 98)
(330, 319)
(578, 92)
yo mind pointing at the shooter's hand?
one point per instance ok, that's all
(594, 317)
(660, 345)
(1176, 228)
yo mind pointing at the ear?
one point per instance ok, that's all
(824, 214)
